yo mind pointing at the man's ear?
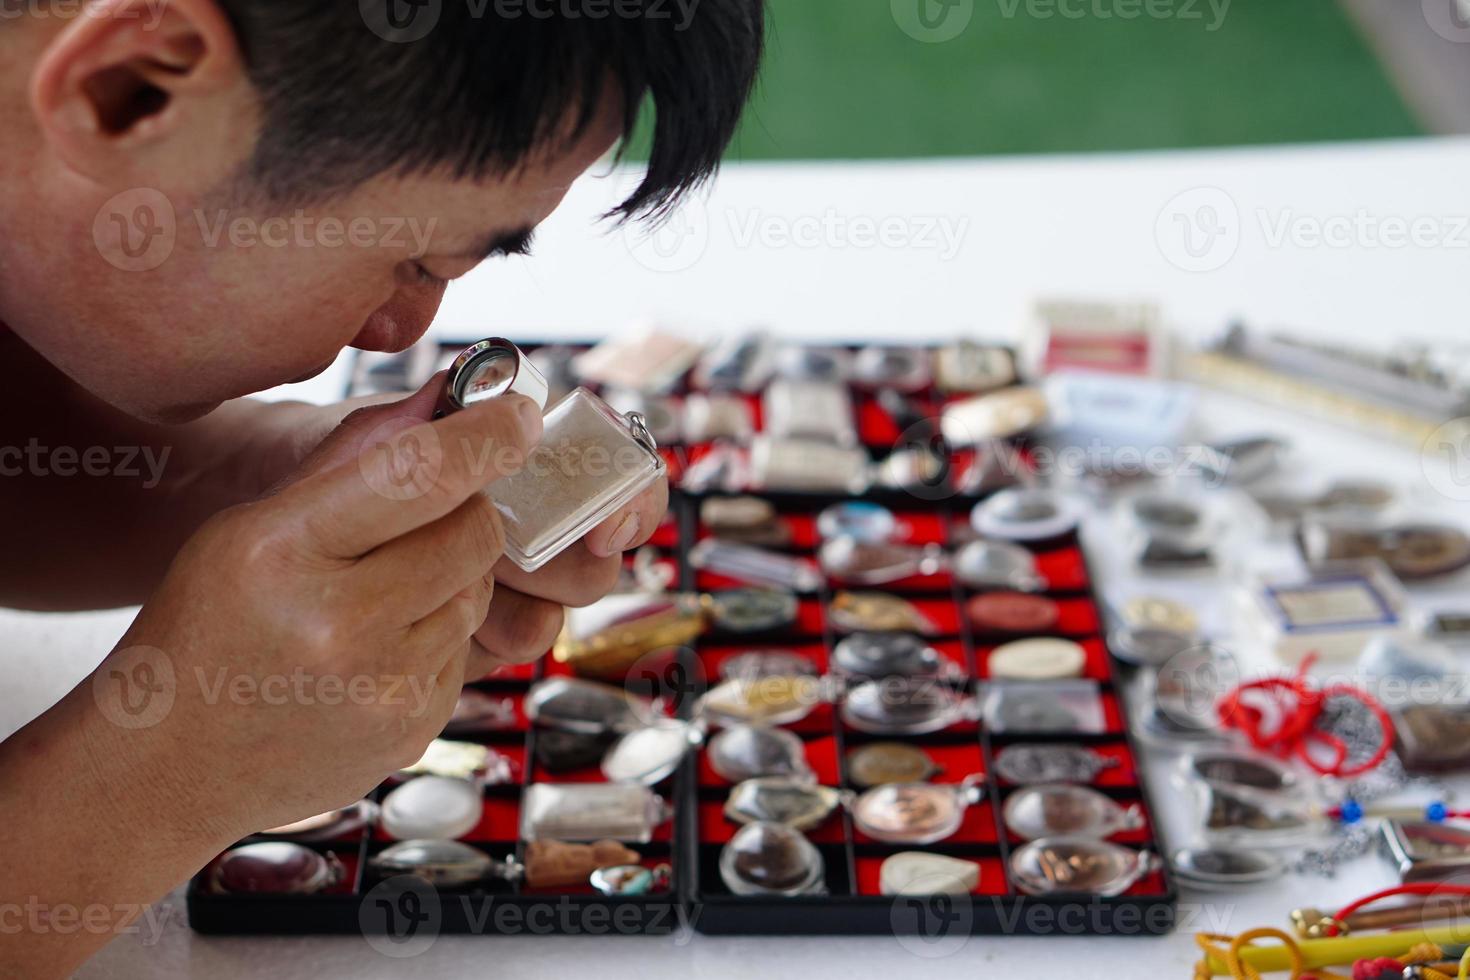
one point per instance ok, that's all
(117, 87)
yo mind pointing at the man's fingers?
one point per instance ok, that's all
(410, 577)
(632, 525)
(445, 633)
(575, 578)
(411, 477)
(518, 630)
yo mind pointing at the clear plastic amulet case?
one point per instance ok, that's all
(590, 461)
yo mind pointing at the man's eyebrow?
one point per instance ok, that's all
(517, 242)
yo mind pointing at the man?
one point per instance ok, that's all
(274, 542)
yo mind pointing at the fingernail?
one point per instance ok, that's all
(529, 414)
(623, 537)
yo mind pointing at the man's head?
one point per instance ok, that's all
(204, 198)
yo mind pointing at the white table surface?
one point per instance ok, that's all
(785, 246)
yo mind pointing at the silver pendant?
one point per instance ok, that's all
(804, 363)
(1062, 810)
(1001, 414)
(819, 410)
(889, 655)
(648, 756)
(1425, 851)
(432, 808)
(476, 713)
(744, 752)
(1028, 764)
(778, 700)
(858, 520)
(860, 563)
(997, 565)
(808, 466)
(902, 368)
(463, 760)
(1221, 869)
(586, 812)
(1149, 646)
(1025, 514)
(1040, 658)
(771, 859)
(1055, 865)
(1048, 707)
(275, 868)
(442, 863)
(757, 565)
(798, 804)
(905, 706)
(915, 813)
(571, 704)
(755, 664)
(753, 610)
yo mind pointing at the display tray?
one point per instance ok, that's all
(691, 842)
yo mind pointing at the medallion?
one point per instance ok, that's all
(1040, 659)
(1055, 865)
(902, 368)
(965, 368)
(1149, 646)
(463, 760)
(905, 706)
(744, 752)
(711, 417)
(1028, 764)
(650, 755)
(1223, 868)
(753, 610)
(442, 863)
(760, 701)
(997, 565)
(808, 466)
(275, 868)
(861, 563)
(1063, 810)
(476, 713)
(585, 707)
(746, 520)
(851, 612)
(921, 873)
(771, 859)
(432, 808)
(798, 804)
(861, 521)
(1012, 612)
(756, 664)
(878, 763)
(819, 410)
(583, 812)
(561, 752)
(805, 363)
(915, 813)
(889, 655)
(1050, 707)
(604, 640)
(1025, 514)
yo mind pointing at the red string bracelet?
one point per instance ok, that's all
(1299, 705)
(1417, 888)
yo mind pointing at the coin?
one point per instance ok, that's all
(878, 611)
(753, 610)
(1154, 612)
(888, 762)
(1039, 659)
(1013, 612)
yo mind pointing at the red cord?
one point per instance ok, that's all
(1418, 888)
(1300, 705)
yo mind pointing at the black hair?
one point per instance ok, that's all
(355, 89)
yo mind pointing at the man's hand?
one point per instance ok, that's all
(527, 610)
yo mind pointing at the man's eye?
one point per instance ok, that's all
(426, 277)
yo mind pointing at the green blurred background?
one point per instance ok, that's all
(844, 80)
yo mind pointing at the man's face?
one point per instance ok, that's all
(140, 274)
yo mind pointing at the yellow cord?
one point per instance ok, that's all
(1465, 965)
